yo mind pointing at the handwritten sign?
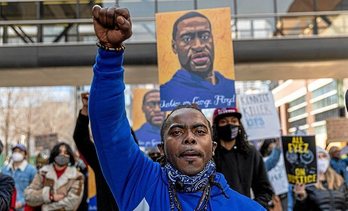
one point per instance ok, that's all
(260, 118)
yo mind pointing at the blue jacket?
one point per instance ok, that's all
(185, 87)
(341, 167)
(148, 135)
(273, 159)
(22, 176)
(137, 182)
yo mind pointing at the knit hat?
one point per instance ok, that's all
(319, 149)
(222, 112)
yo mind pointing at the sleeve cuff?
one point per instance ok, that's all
(107, 60)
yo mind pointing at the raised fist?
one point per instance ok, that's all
(111, 25)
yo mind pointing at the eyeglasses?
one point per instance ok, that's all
(153, 104)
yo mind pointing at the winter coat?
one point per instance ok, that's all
(245, 172)
(6, 190)
(70, 183)
(328, 200)
(23, 176)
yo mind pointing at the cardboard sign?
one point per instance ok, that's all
(259, 116)
(195, 58)
(278, 178)
(300, 158)
(337, 129)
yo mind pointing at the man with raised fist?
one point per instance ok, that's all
(188, 179)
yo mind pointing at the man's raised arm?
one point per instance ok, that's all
(126, 169)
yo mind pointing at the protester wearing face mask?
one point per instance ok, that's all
(58, 185)
(21, 171)
(329, 193)
(240, 162)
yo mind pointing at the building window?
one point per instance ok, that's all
(327, 114)
(297, 101)
(297, 112)
(324, 89)
(325, 102)
(298, 123)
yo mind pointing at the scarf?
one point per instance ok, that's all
(190, 184)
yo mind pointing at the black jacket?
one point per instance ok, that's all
(105, 199)
(6, 190)
(244, 171)
(330, 200)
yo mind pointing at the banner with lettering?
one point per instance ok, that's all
(260, 117)
(300, 159)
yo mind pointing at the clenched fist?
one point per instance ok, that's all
(111, 25)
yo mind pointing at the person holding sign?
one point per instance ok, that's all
(188, 180)
(329, 193)
(241, 163)
(193, 43)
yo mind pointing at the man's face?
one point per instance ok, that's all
(152, 110)
(188, 141)
(194, 45)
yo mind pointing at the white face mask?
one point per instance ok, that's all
(17, 157)
(323, 165)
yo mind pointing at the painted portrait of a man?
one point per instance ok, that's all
(148, 134)
(196, 80)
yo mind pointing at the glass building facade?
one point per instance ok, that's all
(47, 21)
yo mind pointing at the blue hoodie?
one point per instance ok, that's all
(185, 87)
(148, 135)
(137, 182)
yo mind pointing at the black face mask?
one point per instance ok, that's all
(228, 132)
(61, 160)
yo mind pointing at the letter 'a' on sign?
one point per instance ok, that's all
(346, 100)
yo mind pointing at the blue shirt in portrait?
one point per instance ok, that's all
(148, 135)
(188, 88)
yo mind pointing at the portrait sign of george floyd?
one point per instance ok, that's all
(195, 58)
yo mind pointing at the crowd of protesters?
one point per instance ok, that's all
(202, 164)
(58, 180)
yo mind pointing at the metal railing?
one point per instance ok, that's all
(255, 26)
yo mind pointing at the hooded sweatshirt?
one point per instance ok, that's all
(148, 135)
(137, 182)
(185, 87)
